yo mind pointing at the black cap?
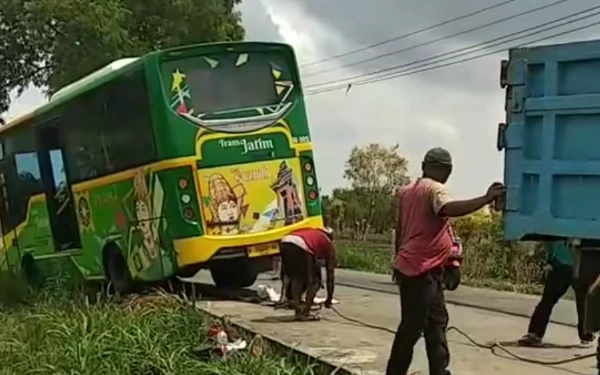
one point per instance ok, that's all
(438, 155)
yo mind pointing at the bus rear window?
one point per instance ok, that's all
(228, 82)
(230, 87)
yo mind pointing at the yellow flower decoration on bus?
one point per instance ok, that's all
(84, 211)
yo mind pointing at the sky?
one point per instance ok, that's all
(457, 107)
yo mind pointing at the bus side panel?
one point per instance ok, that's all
(32, 236)
(129, 212)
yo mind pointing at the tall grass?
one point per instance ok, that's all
(51, 333)
(487, 262)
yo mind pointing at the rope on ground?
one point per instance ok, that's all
(492, 347)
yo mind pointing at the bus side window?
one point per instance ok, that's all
(84, 150)
(128, 132)
(23, 177)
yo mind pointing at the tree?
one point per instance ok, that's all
(375, 171)
(376, 168)
(51, 43)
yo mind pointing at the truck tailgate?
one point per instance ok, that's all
(551, 141)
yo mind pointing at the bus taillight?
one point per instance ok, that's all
(308, 166)
(312, 195)
(188, 213)
(183, 183)
(310, 181)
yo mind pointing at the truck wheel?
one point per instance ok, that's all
(116, 270)
(31, 272)
(233, 273)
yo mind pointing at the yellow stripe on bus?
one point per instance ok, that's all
(130, 173)
(13, 234)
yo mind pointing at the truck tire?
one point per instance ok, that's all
(233, 273)
(116, 270)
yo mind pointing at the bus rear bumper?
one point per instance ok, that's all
(202, 249)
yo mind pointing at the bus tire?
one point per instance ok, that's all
(233, 273)
(116, 270)
(31, 272)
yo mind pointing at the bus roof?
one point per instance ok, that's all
(97, 75)
(112, 70)
(78, 87)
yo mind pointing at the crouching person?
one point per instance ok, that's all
(301, 254)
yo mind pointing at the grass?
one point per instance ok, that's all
(51, 332)
(480, 269)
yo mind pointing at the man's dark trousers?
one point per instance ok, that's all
(558, 281)
(424, 311)
(589, 272)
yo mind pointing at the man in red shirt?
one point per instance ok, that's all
(423, 243)
(301, 252)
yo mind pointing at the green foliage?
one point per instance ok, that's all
(374, 172)
(154, 334)
(375, 168)
(12, 290)
(51, 43)
(489, 258)
(489, 261)
(356, 256)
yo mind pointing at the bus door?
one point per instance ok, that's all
(5, 172)
(59, 197)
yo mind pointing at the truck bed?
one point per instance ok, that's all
(551, 141)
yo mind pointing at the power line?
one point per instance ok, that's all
(480, 27)
(434, 57)
(407, 35)
(404, 74)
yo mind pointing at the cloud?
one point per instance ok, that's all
(21, 105)
(457, 107)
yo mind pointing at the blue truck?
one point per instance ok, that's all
(551, 142)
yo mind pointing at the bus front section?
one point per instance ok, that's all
(254, 169)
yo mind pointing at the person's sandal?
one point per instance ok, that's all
(531, 340)
(307, 318)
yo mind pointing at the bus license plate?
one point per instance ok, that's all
(263, 249)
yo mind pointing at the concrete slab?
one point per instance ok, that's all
(365, 350)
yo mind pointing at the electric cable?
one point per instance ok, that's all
(483, 10)
(403, 74)
(480, 27)
(482, 45)
(492, 347)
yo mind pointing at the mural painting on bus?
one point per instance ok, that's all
(252, 198)
(147, 259)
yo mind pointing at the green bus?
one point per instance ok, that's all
(156, 167)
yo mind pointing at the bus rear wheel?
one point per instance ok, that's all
(116, 270)
(31, 272)
(233, 273)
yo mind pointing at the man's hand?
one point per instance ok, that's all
(495, 190)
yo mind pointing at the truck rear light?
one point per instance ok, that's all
(186, 199)
(310, 181)
(312, 195)
(308, 166)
